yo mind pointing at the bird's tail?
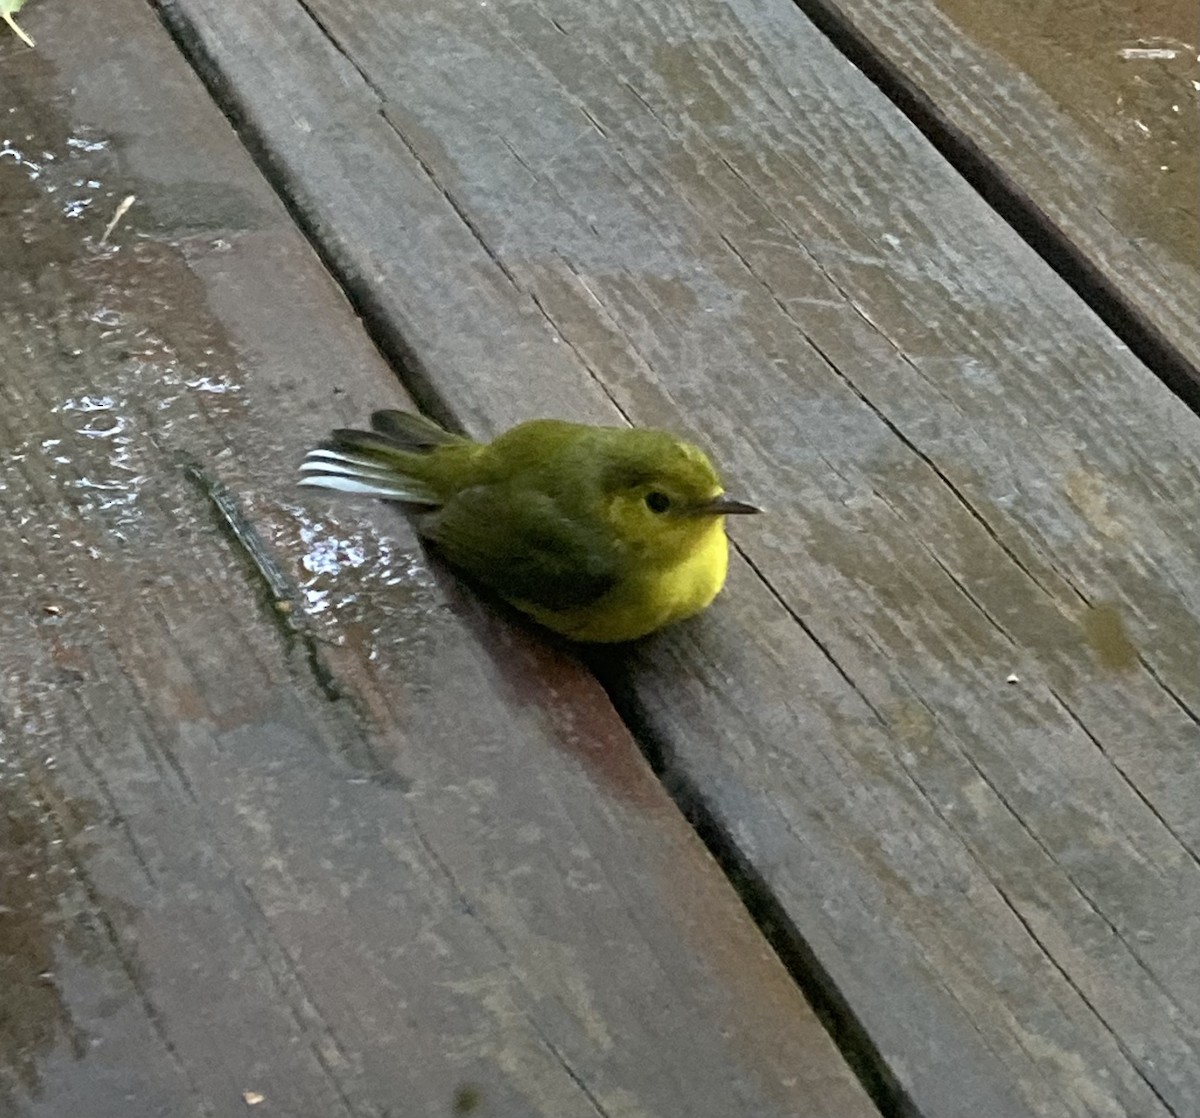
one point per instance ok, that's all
(383, 462)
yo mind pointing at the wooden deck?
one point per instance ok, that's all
(1079, 122)
(292, 824)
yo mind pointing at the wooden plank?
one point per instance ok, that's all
(1079, 118)
(946, 715)
(284, 814)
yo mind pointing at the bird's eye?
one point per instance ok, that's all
(657, 502)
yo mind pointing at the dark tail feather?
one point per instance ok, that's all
(365, 443)
(408, 431)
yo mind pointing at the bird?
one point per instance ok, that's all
(600, 534)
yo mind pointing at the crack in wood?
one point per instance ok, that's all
(583, 361)
(461, 896)
(809, 633)
(358, 289)
(593, 122)
(1171, 693)
(458, 208)
(1125, 778)
(336, 43)
(853, 1041)
(925, 458)
(878, 412)
(1129, 1055)
(572, 1074)
(283, 597)
(1013, 204)
(125, 959)
(303, 1008)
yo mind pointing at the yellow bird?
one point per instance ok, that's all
(599, 533)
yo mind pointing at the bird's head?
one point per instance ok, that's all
(663, 496)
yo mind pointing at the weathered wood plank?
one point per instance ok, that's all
(970, 482)
(1084, 116)
(281, 813)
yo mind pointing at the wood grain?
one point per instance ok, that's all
(1082, 120)
(289, 824)
(947, 713)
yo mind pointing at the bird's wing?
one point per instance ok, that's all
(522, 546)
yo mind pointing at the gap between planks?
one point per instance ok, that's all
(835, 1014)
(1001, 191)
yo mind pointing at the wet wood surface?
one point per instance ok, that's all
(289, 825)
(1089, 112)
(945, 718)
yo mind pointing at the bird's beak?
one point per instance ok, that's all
(726, 506)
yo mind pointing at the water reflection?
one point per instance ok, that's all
(361, 588)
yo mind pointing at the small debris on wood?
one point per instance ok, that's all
(120, 212)
(1150, 54)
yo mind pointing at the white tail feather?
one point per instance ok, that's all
(349, 457)
(348, 472)
(346, 469)
(389, 490)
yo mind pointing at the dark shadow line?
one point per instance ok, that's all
(384, 334)
(1001, 191)
(850, 1036)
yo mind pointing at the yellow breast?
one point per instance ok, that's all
(647, 599)
(690, 586)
